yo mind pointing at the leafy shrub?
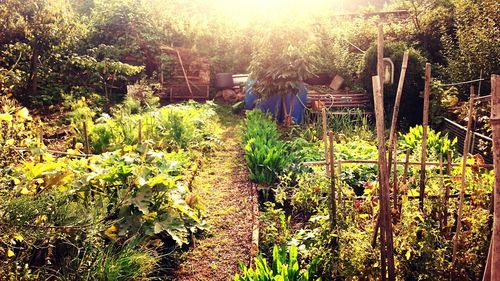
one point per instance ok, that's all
(173, 127)
(436, 143)
(284, 267)
(411, 102)
(264, 151)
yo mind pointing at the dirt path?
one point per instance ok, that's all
(230, 199)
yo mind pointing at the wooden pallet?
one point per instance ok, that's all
(341, 102)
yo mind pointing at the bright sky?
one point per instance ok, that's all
(243, 11)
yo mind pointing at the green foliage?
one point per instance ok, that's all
(411, 103)
(273, 229)
(279, 63)
(436, 143)
(173, 127)
(284, 267)
(264, 151)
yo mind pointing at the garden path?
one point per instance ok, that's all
(230, 199)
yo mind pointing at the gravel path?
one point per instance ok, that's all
(231, 203)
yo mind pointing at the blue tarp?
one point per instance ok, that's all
(273, 104)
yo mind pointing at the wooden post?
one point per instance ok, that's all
(447, 189)
(41, 145)
(339, 175)
(325, 139)
(456, 238)
(395, 176)
(407, 165)
(441, 185)
(495, 126)
(380, 58)
(86, 138)
(333, 219)
(395, 111)
(385, 214)
(425, 123)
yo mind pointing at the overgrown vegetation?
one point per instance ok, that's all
(109, 216)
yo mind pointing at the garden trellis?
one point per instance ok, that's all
(384, 220)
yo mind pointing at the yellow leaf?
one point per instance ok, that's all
(16, 181)
(5, 117)
(18, 237)
(25, 191)
(10, 253)
(111, 232)
(10, 142)
(23, 113)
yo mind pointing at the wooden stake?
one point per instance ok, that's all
(41, 145)
(139, 138)
(447, 189)
(423, 159)
(395, 176)
(333, 219)
(456, 238)
(395, 111)
(407, 164)
(495, 125)
(441, 185)
(339, 175)
(86, 138)
(325, 140)
(385, 214)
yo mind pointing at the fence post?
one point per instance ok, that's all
(384, 213)
(333, 219)
(395, 111)
(325, 139)
(494, 261)
(86, 138)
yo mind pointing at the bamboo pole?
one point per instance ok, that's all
(463, 183)
(409, 163)
(447, 189)
(425, 123)
(86, 138)
(395, 176)
(333, 219)
(325, 139)
(495, 125)
(385, 214)
(395, 111)
(139, 138)
(442, 185)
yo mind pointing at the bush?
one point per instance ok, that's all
(411, 106)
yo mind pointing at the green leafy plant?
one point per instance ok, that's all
(285, 267)
(264, 151)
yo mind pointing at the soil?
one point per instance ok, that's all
(231, 208)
